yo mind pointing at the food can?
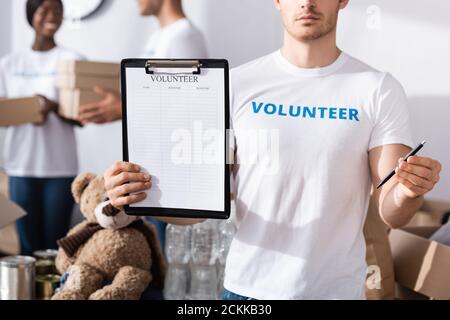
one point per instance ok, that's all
(44, 267)
(17, 278)
(46, 286)
(48, 254)
(45, 263)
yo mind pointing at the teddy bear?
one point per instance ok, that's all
(107, 247)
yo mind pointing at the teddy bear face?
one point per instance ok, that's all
(92, 196)
(89, 191)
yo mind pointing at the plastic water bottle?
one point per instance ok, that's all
(204, 246)
(204, 243)
(227, 230)
(178, 244)
(178, 254)
(176, 282)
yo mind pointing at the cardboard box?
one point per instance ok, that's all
(431, 214)
(71, 100)
(9, 239)
(4, 184)
(402, 293)
(77, 79)
(421, 265)
(9, 211)
(89, 68)
(20, 111)
(378, 257)
(74, 81)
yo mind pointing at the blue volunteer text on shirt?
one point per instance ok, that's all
(26, 74)
(350, 114)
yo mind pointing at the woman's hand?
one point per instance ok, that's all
(47, 106)
(124, 178)
(107, 110)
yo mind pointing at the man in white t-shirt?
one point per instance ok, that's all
(177, 38)
(326, 128)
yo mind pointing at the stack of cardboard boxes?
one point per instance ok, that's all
(9, 212)
(76, 81)
(422, 266)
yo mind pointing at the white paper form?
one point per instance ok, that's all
(176, 128)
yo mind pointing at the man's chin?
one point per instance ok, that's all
(309, 36)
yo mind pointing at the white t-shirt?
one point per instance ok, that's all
(179, 40)
(37, 151)
(300, 209)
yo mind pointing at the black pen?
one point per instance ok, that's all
(412, 153)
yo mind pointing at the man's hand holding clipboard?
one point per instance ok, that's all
(175, 121)
(125, 184)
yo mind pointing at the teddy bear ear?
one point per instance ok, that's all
(80, 184)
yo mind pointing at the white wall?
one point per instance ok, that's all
(5, 46)
(412, 41)
(5, 24)
(238, 30)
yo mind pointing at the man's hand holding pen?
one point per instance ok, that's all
(417, 176)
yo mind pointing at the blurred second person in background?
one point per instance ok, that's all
(176, 38)
(40, 159)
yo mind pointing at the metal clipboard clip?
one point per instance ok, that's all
(172, 66)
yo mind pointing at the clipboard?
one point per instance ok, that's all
(167, 98)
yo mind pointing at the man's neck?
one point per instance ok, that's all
(171, 11)
(317, 53)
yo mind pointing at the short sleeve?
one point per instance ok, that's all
(187, 46)
(392, 119)
(72, 55)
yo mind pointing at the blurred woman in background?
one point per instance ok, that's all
(40, 159)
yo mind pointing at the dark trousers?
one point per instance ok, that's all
(48, 203)
(161, 228)
(228, 295)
